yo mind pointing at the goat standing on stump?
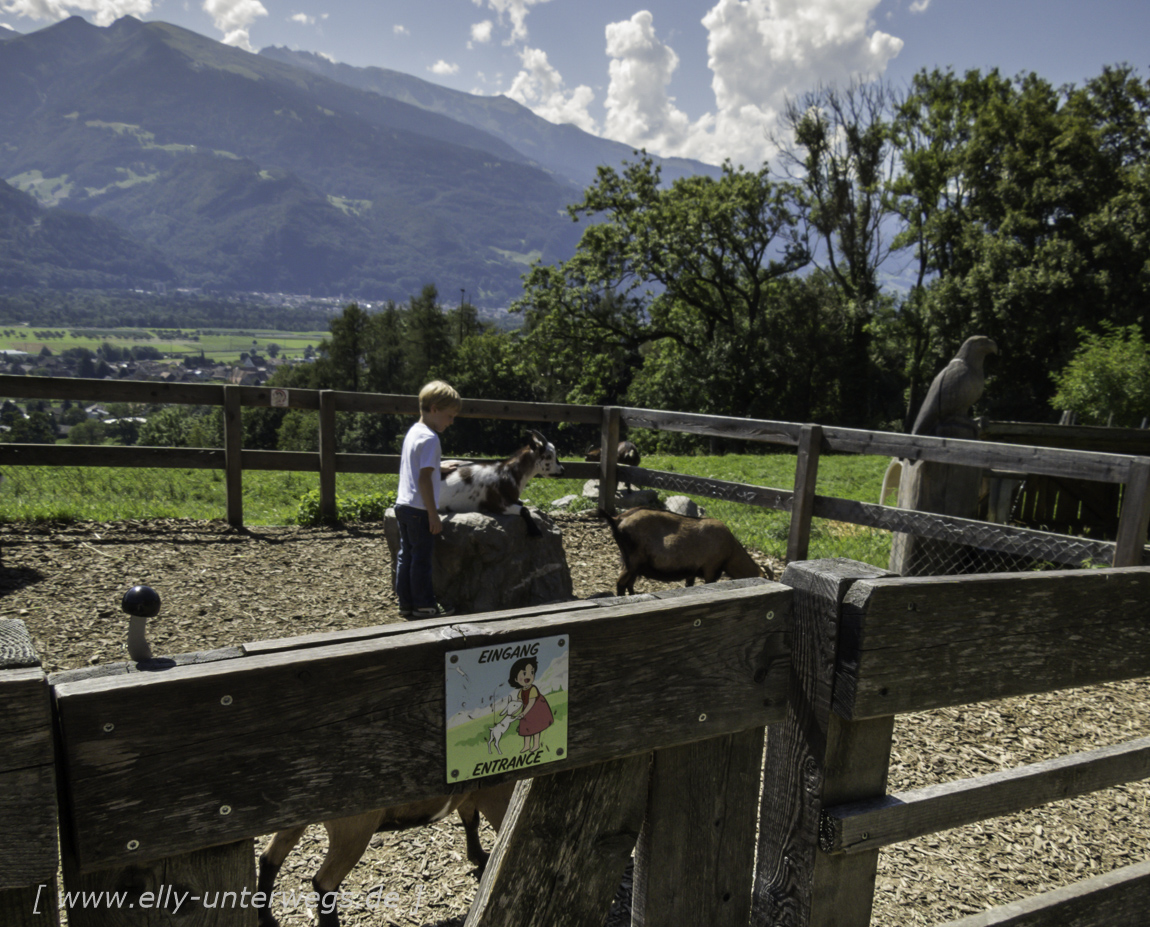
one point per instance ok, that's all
(671, 548)
(495, 489)
(349, 837)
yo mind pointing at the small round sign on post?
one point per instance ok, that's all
(279, 398)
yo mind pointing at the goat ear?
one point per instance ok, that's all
(537, 438)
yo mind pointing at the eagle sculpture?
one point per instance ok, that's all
(956, 388)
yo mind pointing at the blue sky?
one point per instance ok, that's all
(701, 80)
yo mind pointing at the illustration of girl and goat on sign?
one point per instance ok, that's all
(491, 691)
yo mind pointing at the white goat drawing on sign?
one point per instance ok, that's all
(499, 728)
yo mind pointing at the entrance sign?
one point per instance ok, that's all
(506, 707)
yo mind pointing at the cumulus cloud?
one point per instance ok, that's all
(443, 68)
(759, 52)
(397, 29)
(303, 19)
(103, 12)
(919, 6)
(234, 18)
(481, 33)
(514, 11)
(540, 87)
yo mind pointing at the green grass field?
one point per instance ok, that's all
(217, 345)
(40, 494)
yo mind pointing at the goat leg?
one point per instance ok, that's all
(271, 859)
(327, 911)
(532, 528)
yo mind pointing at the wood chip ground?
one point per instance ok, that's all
(223, 586)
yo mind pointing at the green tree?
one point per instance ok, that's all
(37, 428)
(667, 282)
(87, 432)
(1107, 382)
(167, 428)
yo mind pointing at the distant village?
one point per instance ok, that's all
(252, 370)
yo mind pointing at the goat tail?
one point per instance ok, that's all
(612, 522)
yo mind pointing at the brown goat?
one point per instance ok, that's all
(670, 548)
(348, 838)
(628, 456)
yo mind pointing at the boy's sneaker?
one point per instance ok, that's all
(433, 611)
(405, 611)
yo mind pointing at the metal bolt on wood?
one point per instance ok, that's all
(109, 727)
(225, 809)
(226, 700)
(133, 844)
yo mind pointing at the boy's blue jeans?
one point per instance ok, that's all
(413, 565)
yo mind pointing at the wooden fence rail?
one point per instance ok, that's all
(167, 769)
(800, 500)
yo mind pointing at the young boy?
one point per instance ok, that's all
(417, 501)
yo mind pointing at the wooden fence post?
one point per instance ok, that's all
(564, 847)
(1134, 521)
(28, 860)
(609, 458)
(327, 508)
(815, 759)
(695, 863)
(806, 477)
(233, 466)
(206, 888)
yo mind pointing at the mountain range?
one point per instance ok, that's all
(143, 153)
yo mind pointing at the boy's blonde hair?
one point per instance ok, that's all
(439, 395)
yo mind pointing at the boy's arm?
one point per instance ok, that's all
(427, 495)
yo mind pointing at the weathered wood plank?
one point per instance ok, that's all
(284, 738)
(1086, 465)
(27, 766)
(327, 638)
(211, 887)
(719, 426)
(233, 456)
(79, 455)
(1135, 518)
(31, 906)
(928, 642)
(870, 825)
(779, 499)
(563, 848)
(144, 391)
(815, 759)
(695, 862)
(1041, 545)
(806, 480)
(1081, 437)
(608, 459)
(327, 407)
(1116, 899)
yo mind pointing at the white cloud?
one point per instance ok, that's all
(759, 52)
(443, 68)
(6, 26)
(919, 6)
(514, 10)
(481, 33)
(540, 88)
(233, 18)
(639, 110)
(103, 12)
(397, 29)
(303, 19)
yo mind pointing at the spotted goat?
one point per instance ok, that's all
(496, 488)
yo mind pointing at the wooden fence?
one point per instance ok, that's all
(800, 500)
(166, 770)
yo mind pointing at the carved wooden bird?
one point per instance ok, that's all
(956, 388)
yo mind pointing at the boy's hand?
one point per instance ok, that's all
(433, 522)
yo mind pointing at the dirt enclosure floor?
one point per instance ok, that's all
(222, 586)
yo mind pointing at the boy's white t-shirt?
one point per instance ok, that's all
(420, 449)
